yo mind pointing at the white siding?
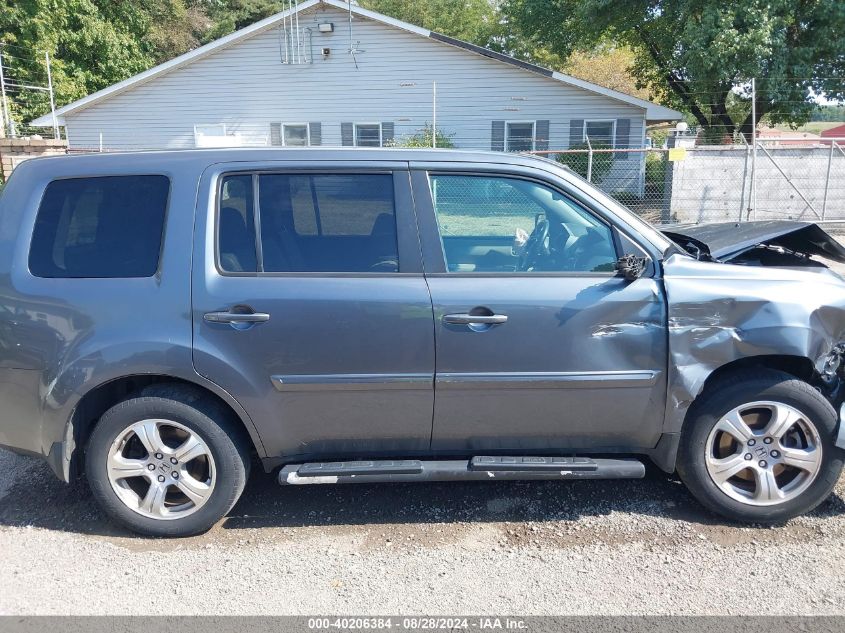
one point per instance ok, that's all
(246, 87)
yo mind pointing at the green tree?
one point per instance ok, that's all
(226, 16)
(479, 22)
(609, 66)
(701, 54)
(92, 43)
(475, 21)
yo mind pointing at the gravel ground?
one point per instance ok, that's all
(614, 547)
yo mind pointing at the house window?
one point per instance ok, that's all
(519, 136)
(601, 132)
(295, 135)
(206, 134)
(368, 135)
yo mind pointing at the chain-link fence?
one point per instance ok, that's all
(787, 178)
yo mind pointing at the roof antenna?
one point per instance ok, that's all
(352, 47)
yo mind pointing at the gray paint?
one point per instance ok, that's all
(315, 129)
(541, 134)
(576, 132)
(347, 131)
(497, 136)
(359, 357)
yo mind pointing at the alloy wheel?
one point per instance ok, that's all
(763, 453)
(161, 469)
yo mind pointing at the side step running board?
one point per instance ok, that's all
(477, 468)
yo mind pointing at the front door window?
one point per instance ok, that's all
(511, 225)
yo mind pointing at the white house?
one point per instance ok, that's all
(327, 73)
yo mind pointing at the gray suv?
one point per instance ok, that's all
(340, 316)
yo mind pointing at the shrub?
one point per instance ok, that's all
(423, 138)
(579, 162)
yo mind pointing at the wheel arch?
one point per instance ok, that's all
(800, 367)
(666, 452)
(99, 398)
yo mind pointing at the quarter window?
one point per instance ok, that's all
(295, 135)
(236, 225)
(501, 224)
(109, 226)
(368, 135)
(311, 223)
(519, 136)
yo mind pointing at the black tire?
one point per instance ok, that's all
(734, 391)
(200, 414)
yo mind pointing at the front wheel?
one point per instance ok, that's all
(759, 448)
(167, 463)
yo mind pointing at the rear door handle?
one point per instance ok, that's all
(467, 319)
(236, 317)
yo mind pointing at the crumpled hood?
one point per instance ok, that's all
(727, 240)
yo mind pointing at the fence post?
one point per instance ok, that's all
(668, 179)
(742, 202)
(589, 159)
(752, 198)
(827, 177)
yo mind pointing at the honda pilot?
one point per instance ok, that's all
(168, 319)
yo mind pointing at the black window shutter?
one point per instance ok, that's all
(576, 132)
(347, 134)
(623, 137)
(275, 134)
(315, 131)
(497, 136)
(541, 135)
(387, 133)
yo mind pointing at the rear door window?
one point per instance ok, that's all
(109, 226)
(312, 223)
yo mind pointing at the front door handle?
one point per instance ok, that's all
(471, 319)
(236, 317)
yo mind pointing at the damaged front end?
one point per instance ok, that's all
(721, 314)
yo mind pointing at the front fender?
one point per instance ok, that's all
(721, 313)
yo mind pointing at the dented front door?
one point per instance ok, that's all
(579, 364)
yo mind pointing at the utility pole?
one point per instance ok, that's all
(8, 124)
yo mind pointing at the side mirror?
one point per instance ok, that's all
(630, 267)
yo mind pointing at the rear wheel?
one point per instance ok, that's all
(167, 463)
(760, 448)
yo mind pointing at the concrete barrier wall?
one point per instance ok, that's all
(714, 184)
